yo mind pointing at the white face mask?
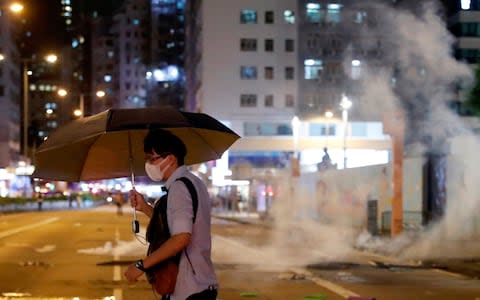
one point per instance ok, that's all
(157, 172)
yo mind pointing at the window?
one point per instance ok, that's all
(268, 72)
(248, 16)
(248, 100)
(289, 102)
(268, 100)
(360, 17)
(269, 17)
(356, 69)
(248, 72)
(268, 45)
(470, 29)
(248, 44)
(313, 68)
(289, 17)
(313, 13)
(465, 4)
(289, 73)
(333, 13)
(289, 45)
(2, 91)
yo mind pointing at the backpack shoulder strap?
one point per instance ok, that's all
(193, 193)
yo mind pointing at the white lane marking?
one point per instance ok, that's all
(326, 284)
(321, 282)
(117, 271)
(27, 227)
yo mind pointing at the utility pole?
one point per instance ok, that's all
(394, 125)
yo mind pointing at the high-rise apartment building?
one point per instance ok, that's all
(10, 92)
(463, 21)
(261, 66)
(167, 42)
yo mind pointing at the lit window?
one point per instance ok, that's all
(313, 13)
(248, 72)
(360, 17)
(75, 43)
(136, 22)
(51, 105)
(68, 21)
(107, 78)
(110, 54)
(248, 16)
(465, 4)
(356, 69)
(289, 17)
(333, 13)
(313, 68)
(33, 87)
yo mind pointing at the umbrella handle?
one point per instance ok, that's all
(135, 223)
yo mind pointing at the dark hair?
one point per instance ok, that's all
(163, 143)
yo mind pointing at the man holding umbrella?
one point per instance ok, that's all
(190, 232)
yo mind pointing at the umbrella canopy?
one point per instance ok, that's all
(110, 144)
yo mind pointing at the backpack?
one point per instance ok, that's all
(163, 276)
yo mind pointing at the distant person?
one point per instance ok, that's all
(118, 200)
(190, 236)
(79, 200)
(39, 201)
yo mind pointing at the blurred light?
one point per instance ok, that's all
(62, 92)
(345, 103)
(309, 62)
(49, 111)
(334, 6)
(466, 4)
(77, 113)
(328, 114)
(100, 94)
(109, 199)
(29, 73)
(169, 73)
(356, 63)
(51, 58)
(16, 7)
(2, 57)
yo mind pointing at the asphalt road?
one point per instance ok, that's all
(68, 254)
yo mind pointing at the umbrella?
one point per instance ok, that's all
(110, 144)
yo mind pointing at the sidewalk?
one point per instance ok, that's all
(467, 264)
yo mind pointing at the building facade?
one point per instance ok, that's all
(10, 93)
(260, 66)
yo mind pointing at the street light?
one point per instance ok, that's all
(16, 7)
(50, 58)
(345, 104)
(328, 116)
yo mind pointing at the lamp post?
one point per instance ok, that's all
(345, 104)
(50, 58)
(328, 116)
